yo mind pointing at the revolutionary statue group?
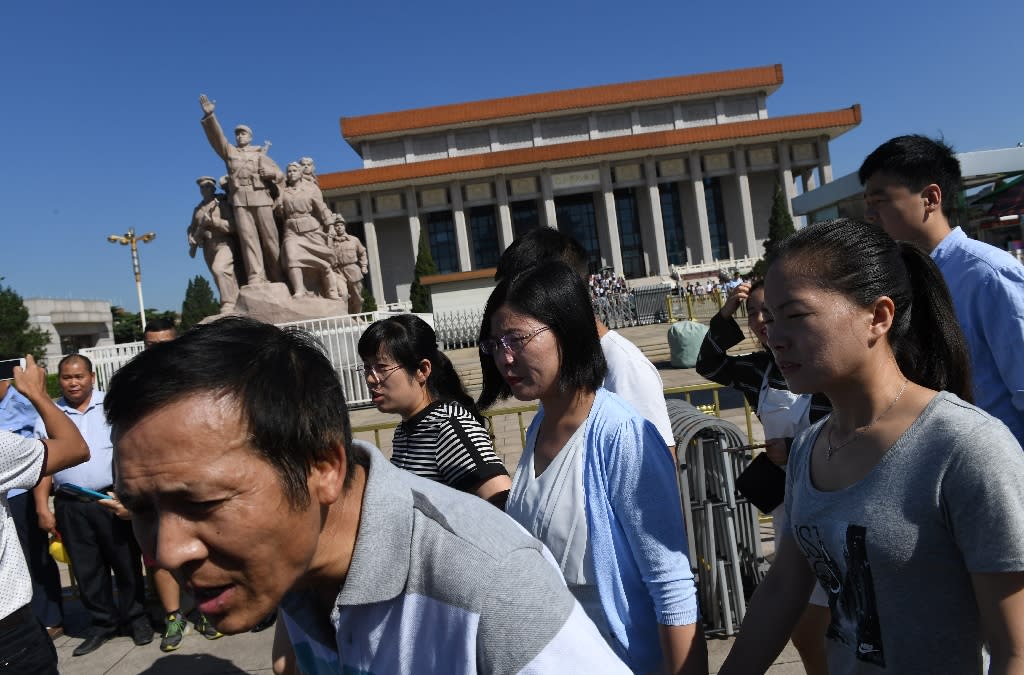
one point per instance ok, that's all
(268, 226)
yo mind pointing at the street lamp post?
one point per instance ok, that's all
(129, 239)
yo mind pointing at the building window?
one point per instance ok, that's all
(483, 227)
(441, 235)
(716, 218)
(672, 221)
(525, 217)
(575, 216)
(631, 243)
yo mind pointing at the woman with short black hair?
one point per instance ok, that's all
(596, 482)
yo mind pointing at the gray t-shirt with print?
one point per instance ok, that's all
(895, 551)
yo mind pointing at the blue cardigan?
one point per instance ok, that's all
(636, 530)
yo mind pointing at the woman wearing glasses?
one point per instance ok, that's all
(441, 436)
(595, 483)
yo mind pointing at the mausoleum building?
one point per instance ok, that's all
(646, 175)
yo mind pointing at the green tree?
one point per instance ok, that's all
(128, 325)
(369, 302)
(419, 295)
(17, 337)
(780, 223)
(199, 302)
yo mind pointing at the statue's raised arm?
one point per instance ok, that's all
(206, 104)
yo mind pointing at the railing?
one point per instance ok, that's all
(687, 391)
(339, 335)
(458, 329)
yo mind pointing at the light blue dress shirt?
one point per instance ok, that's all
(17, 415)
(987, 286)
(98, 472)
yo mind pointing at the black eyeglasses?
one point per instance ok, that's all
(509, 342)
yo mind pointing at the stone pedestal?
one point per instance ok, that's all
(273, 303)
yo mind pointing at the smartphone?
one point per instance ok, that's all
(7, 368)
(80, 493)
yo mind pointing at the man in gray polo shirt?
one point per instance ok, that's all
(234, 451)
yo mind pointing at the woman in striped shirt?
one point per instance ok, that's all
(441, 436)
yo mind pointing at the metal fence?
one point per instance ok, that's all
(339, 335)
(459, 329)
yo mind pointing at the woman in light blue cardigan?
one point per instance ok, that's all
(596, 482)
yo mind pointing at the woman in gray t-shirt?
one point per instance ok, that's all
(905, 503)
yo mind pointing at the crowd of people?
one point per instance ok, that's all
(889, 392)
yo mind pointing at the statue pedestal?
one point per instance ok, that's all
(273, 303)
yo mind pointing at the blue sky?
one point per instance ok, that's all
(101, 120)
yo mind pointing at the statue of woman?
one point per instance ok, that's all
(306, 219)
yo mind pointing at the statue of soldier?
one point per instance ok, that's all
(252, 180)
(351, 266)
(213, 230)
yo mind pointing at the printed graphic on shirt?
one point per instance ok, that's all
(839, 558)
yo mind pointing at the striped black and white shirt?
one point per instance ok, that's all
(445, 443)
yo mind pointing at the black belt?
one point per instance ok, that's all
(17, 617)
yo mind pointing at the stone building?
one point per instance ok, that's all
(646, 175)
(72, 324)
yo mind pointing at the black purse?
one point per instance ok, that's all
(763, 483)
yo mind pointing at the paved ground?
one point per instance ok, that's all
(250, 652)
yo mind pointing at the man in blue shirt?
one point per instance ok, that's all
(910, 188)
(97, 541)
(18, 415)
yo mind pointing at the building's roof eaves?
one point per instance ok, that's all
(832, 122)
(766, 78)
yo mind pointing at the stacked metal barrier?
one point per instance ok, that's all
(723, 528)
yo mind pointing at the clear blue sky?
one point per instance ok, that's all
(100, 119)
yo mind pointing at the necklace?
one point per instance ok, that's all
(832, 449)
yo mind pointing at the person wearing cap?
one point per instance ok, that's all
(213, 230)
(253, 179)
(351, 266)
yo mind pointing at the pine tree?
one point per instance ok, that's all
(419, 295)
(780, 223)
(369, 302)
(17, 338)
(199, 303)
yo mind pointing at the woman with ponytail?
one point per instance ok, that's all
(441, 436)
(905, 503)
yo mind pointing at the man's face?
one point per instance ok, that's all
(890, 203)
(242, 138)
(207, 190)
(76, 382)
(155, 337)
(339, 228)
(213, 512)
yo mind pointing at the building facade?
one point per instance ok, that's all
(646, 175)
(71, 324)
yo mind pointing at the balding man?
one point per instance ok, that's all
(97, 541)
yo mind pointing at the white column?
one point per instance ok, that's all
(654, 227)
(749, 237)
(505, 234)
(808, 178)
(824, 161)
(413, 211)
(548, 217)
(372, 248)
(611, 247)
(459, 218)
(786, 175)
(701, 233)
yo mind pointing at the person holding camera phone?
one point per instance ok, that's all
(25, 645)
(781, 413)
(97, 541)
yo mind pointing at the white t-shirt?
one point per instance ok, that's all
(21, 466)
(633, 377)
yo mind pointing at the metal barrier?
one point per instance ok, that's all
(339, 336)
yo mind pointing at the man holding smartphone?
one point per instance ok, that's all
(97, 541)
(25, 646)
